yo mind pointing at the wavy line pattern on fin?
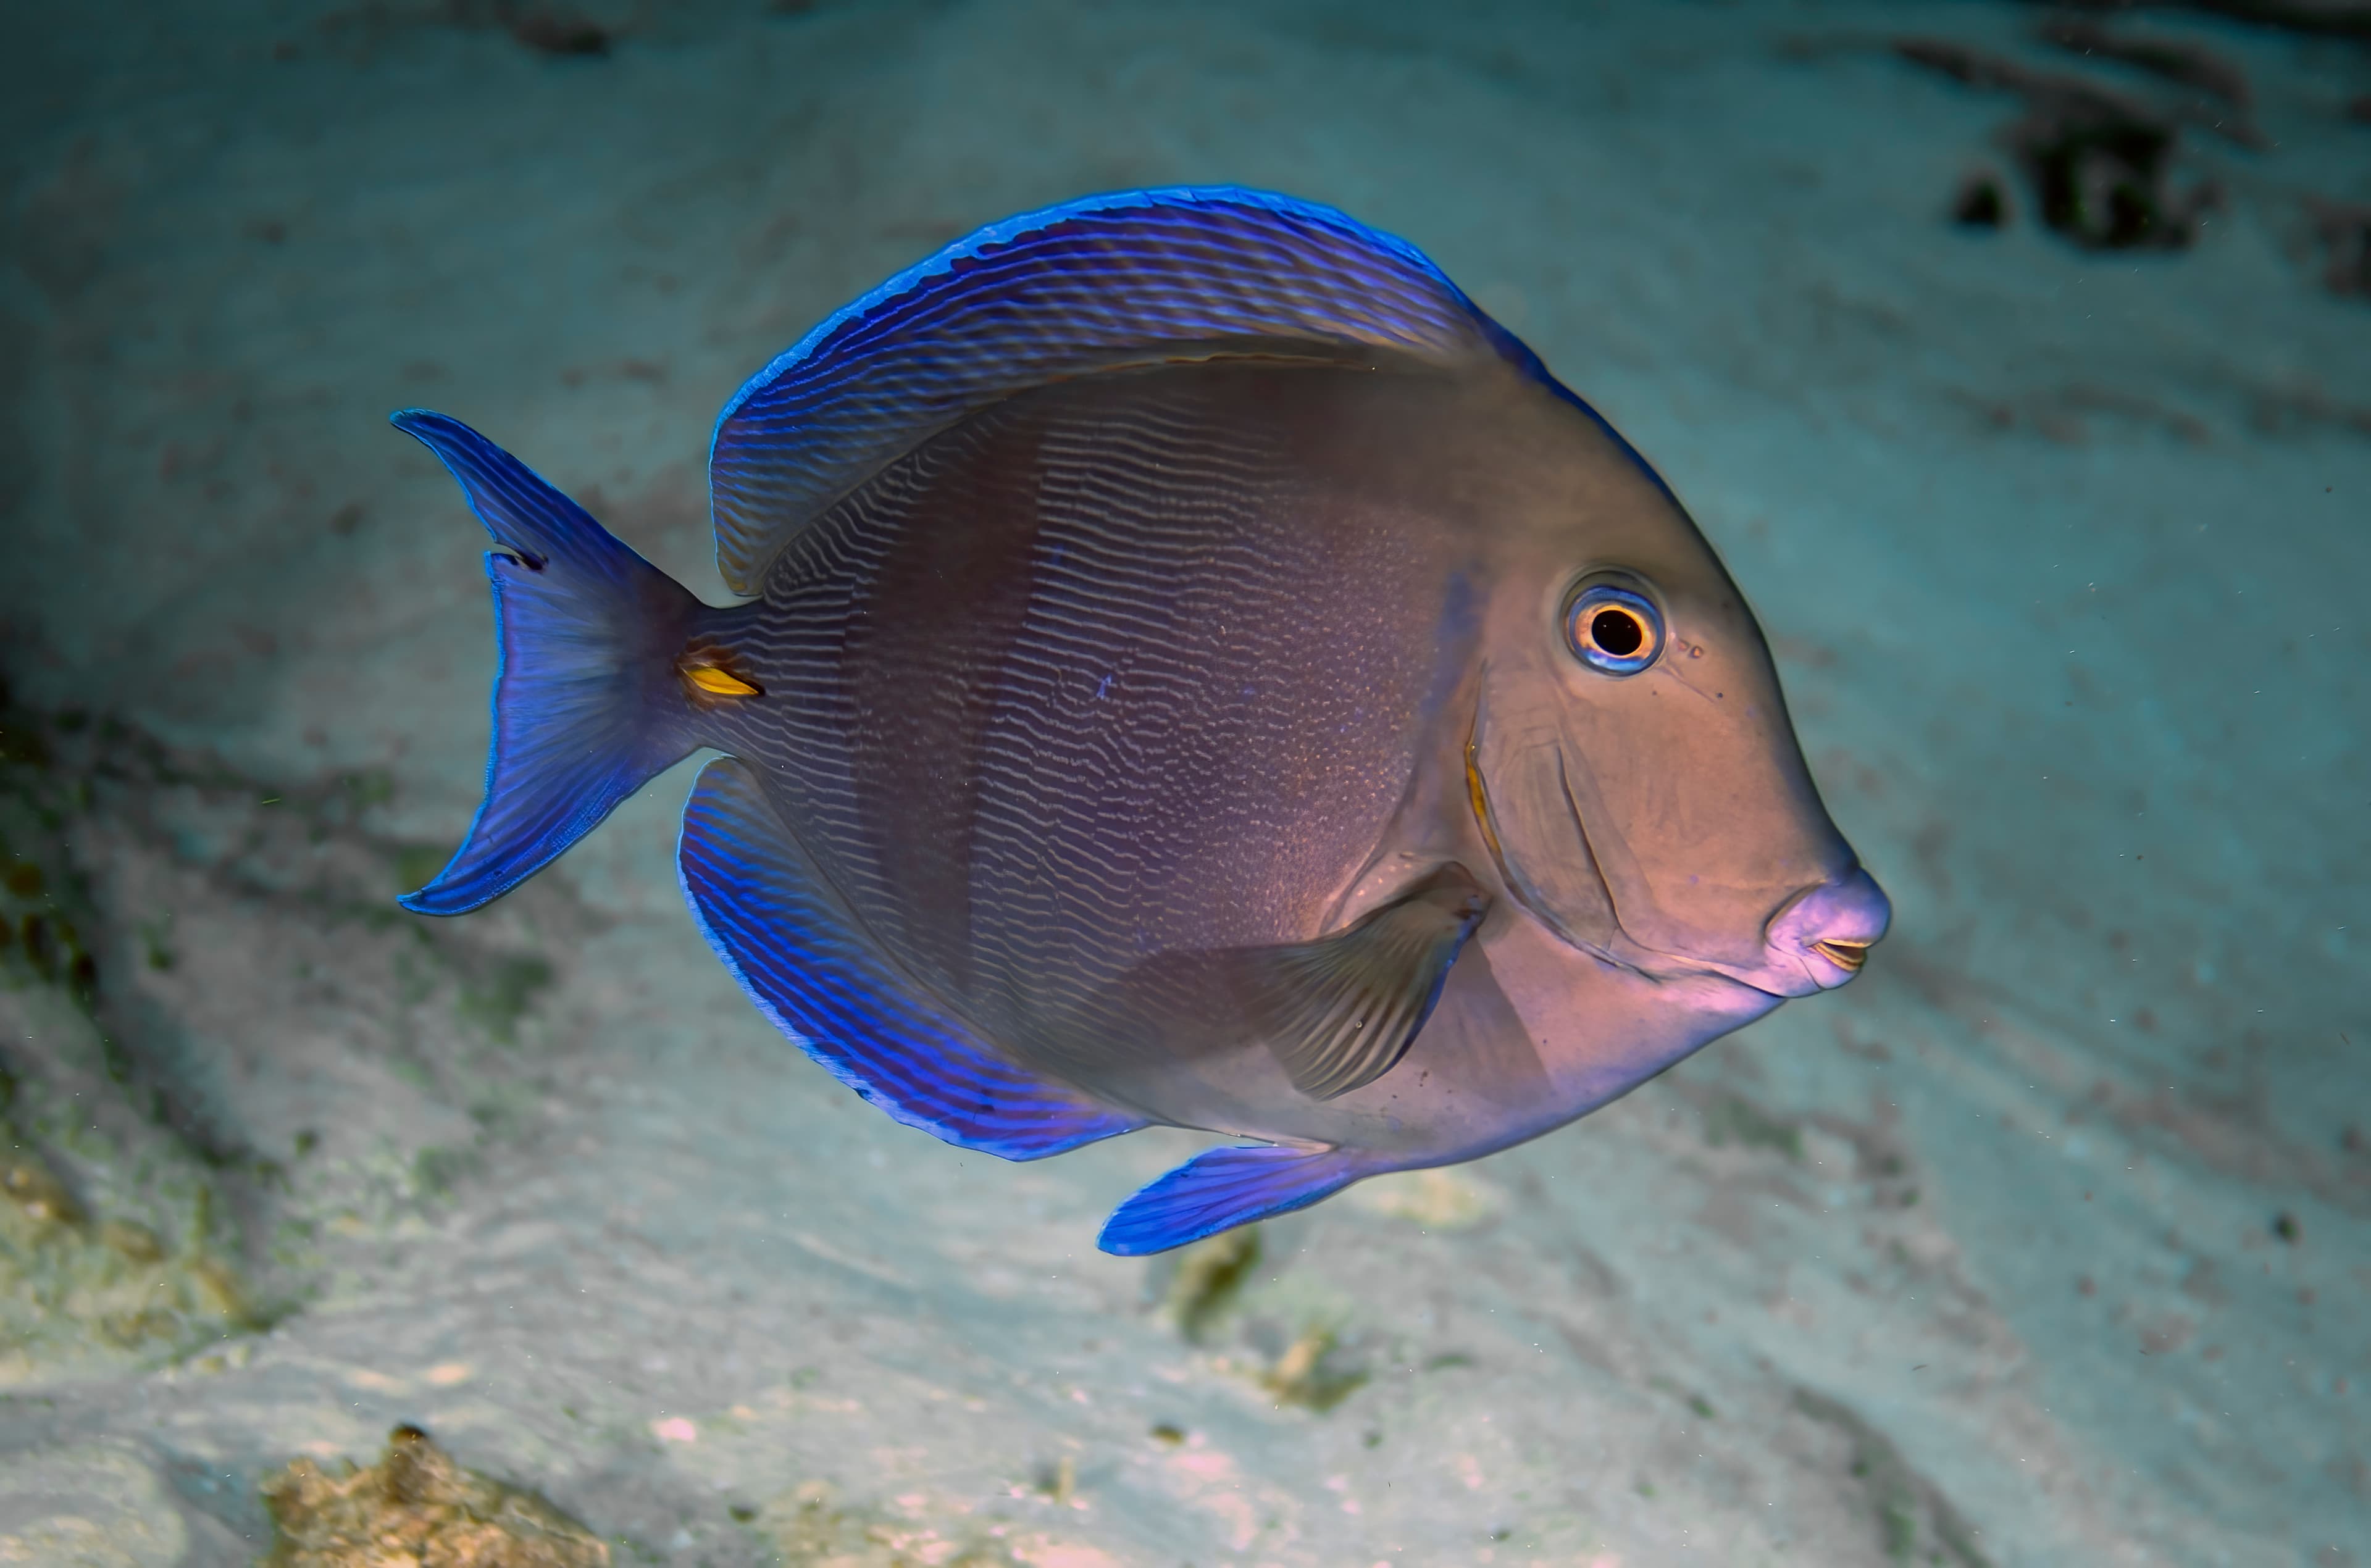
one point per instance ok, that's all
(801, 958)
(1220, 1189)
(1090, 284)
(581, 704)
(1344, 1008)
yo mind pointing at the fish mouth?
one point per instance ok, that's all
(1829, 927)
(1846, 956)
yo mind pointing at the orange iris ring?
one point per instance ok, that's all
(1594, 601)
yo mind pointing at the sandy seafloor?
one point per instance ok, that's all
(2048, 1241)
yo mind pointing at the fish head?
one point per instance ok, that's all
(1631, 763)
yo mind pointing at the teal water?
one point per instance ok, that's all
(2046, 1241)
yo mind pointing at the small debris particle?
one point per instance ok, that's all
(1209, 1275)
(558, 33)
(1310, 1373)
(30, 1186)
(1979, 204)
(2344, 228)
(1061, 1482)
(133, 1240)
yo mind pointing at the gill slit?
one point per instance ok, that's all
(1478, 793)
(1597, 870)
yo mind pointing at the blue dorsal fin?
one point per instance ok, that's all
(801, 957)
(1220, 1189)
(1102, 282)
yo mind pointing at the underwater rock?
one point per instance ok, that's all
(2219, 98)
(2344, 231)
(1915, 1522)
(2099, 162)
(41, 940)
(78, 1299)
(1202, 1282)
(38, 1195)
(1199, 1287)
(550, 31)
(811, 1527)
(91, 1179)
(196, 964)
(2100, 177)
(1207, 1278)
(1982, 203)
(1314, 1373)
(2176, 60)
(418, 1507)
(1732, 1118)
(2328, 19)
(89, 1505)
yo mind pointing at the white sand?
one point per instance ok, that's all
(2064, 557)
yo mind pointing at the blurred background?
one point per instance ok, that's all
(2017, 358)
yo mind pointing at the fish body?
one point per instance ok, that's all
(1169, 694)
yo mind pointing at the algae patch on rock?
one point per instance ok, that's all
(73, 1294)
(1201, 1289)
(418, 1507)
(1200, 1284)
(227, 1060)
(1915, 1522)
(811, 1527)
(1311, 1373)
(81, 1296)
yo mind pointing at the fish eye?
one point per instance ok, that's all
(1614, 630)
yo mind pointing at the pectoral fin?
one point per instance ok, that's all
(1340, 1013)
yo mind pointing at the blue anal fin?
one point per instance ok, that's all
(1221, 1189)
(798, 952)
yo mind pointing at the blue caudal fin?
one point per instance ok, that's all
(1130, 278)
(585, 704)
(1223, 1189)
(801, 956)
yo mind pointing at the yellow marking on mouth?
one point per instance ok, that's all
(1846, 956)
(1481, 803)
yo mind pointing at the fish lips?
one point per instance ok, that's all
(1820, 938)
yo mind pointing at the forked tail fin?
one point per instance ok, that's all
(588, 707)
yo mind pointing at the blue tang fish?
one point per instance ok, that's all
(1196, 669)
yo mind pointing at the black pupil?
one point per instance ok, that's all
(1617, 632)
